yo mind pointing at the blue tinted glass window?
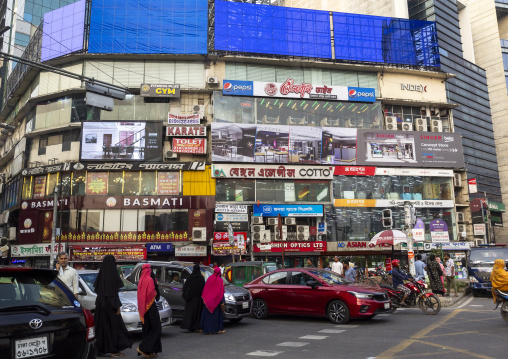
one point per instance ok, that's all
(21, 39)
(505, 61)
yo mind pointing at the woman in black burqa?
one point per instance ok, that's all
(110, 331)
(191, 293)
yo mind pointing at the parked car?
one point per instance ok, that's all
(125, 270)
(311, 291)
(41, 317)
(128, 297)
(172, 275)
(240, 273)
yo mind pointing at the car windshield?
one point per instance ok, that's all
(33, 289)
(487, 256)
(329, 277)
(207, 272)
(89, 279)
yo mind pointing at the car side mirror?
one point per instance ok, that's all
(312, 283)
(81, 291)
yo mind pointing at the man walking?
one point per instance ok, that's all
(337, 266)
(419, 268)
(67, 274)
(450, 275)
(349, 272)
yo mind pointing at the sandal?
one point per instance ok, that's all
(117, 355)
(221, 332)
(143, 354)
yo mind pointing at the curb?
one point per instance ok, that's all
(447, 302)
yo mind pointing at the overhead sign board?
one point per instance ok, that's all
(183, 119)
(186, 131)
(496, 207)
(479, 229)
(318, 246)
(189, 145)
(191, 250)
(271, 171)
(384, 203)
(382, 171)
(160, 90)
(450, 246)
(273, 210)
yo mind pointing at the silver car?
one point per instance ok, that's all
(128, 297)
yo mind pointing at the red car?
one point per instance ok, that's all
(316, 292)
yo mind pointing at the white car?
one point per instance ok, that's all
(128, 297)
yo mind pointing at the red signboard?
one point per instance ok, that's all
(354, 171)
(221, 247)
(96, 254)
(40, 187)
(189, 145)
(319, 246)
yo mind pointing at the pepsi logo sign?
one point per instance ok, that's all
(352, 93)
(228, 86)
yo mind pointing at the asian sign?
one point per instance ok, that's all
(273, 210)
(191, 145)
(160, 90)
(290, 89)
(35, 250)
(271, 171)
(319, 246)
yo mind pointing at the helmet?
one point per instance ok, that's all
(395, 262)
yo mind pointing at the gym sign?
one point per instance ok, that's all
(158, 90)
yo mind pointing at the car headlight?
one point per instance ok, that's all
(361, 295)
(129, 308)
(473, 279)
(165, 303)
(229, 298)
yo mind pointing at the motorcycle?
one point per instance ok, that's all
(428, 303)
(502, 298)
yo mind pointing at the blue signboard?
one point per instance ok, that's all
(361, 94)
(159, 247)
(288, 210)
(238, 88)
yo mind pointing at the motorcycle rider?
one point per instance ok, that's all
(499, 277)
(398, 281)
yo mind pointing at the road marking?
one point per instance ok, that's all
(292, 344)
(466, 303)
(465, 352)
(346, 326)
(264, 353)
(476, 305)
(314, 337)
(383, 315)
(331, 331)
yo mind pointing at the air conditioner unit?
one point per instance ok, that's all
(258, 228)
(199, 234)
(461, 228)
(257, 220)
(170, 154)
(407, 126)
(262, 236)
(457, 179)
(302, 233)
(478, 242)
(436, 125)
(420, 124)
(199, 109)
(391, 123)
(284, 234)
(461, 217)
(290, 221)
(212, 81)
(273, 221)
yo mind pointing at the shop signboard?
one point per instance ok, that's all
(409, 149)
(473, 187)
(97, 254)
(97, 183)
(496, 207)
(40, 187)
(168, 183)
(160, 90)
(439, 237)
(183, 119)
(191, 250)
(230, 208)
(349, 246)
(450, 246)
(321, 228)
(479, 229)
(290, 89)
(288, 210)
(439, 231)
(159, 247)
(39, 170)
(220, 170)
(276, 247)
(231, 217)
(237, 226)
(189, 145)
(423, 172)
(36, 250)
(186, 131)
(354, 171)
(418, 231)
(222, 247)
(384, 203)
(140, 166)
(223, 236)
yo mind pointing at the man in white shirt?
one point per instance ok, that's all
(337, 266)
(67, 274)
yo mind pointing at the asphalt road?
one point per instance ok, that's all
(471, 329)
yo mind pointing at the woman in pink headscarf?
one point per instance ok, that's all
(148, 294)
(443, 269)
(213, 300)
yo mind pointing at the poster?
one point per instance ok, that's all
(97, 183)
(168, 183)
(40, 187)
(473, 188)
(189, 145)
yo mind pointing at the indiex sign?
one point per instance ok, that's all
(273, 210)
(271, 171)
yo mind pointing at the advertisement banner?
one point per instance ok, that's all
(160, 90)
(68, 166)
(473, 188)
(36, 250)
(438, 225)
(183, 119)
(409, 149)
(496, 207)
(423, 172)
(230, 208)
(186, 131)
(97, 183)
(191, 250)
(391, 203)
(168, 183)
(271, 171)
(231, 217)
(273, 210)
(349, 246)
(40, 187)
(479, 229)
(126, 254)
(276, 247)
(191, 145)
(221, 246)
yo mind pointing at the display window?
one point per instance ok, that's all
(235, 190)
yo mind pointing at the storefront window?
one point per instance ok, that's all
(312, 191)
(134, 107)
(115, 183)
(52, 182)
(73, 220)
(146, 221)
(180, 219)
(131, 185)
(148, 184)
(64, 221)
(235, 190)
(130, 220)
(275, 191)
(53, 113)
(79, 183)
(65, 184)
(94, 221)
(112, 220)
(27, 188)
(81, 220)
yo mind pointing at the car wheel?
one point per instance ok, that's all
(338, 312)
(235, 320)
(259, 309)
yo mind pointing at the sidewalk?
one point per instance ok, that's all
(451, 300)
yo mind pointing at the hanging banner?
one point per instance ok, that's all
(189, 145)
(40, 187)
(473, 188)
(97, 183)
(168, 183)
(92, 254)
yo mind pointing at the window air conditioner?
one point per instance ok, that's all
(420, 124)
(199, 234)
(258, 228)
(199, 109)
(461, 217)
(284, 234)
(391, 123)
(214, 81)
(461, 228)
(302, 233)
(457, 179)
(262, 236)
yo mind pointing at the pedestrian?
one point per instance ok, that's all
(450, 275)
(148, 294)
(442, 270)
(191, 293)
(67, 274)
(337, 266)
(110, 331)
(419, 268)
(309, 264)
(435, 275)
(349, 272)
(212, 321)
